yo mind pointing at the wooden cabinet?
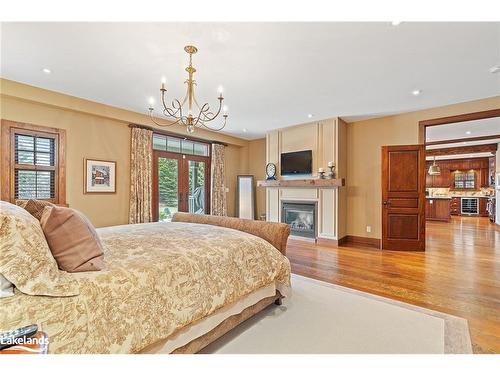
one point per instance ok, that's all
(482, 207)
(481, 168)
(485, 177)
(491, 170)
(455, 206)
(437, 209)
(444, 179)
(439, 181)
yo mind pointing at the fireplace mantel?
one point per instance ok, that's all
(307, 183)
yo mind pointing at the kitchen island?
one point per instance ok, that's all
(437, 208)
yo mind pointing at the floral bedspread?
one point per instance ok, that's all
(159, 277)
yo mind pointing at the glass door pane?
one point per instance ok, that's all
(196, 186)
(168, 188)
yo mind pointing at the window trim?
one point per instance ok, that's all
(7, 158)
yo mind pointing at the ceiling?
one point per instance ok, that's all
(274, 74)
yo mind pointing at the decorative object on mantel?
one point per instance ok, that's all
(100, 176)
(176, 112)
(331, 165)
(271, 171)
(305, 183)
(321, 173)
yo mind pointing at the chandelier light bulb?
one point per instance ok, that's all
(163, 80)
(225, 109)
(151, 101)
(220, 89)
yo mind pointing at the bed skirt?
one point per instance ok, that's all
(199, 334)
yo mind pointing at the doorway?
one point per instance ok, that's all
(181, 179)
(461, 154)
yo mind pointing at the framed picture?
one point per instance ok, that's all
(100, 176)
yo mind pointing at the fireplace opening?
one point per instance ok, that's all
(301, 217)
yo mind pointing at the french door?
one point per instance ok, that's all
(181, 183)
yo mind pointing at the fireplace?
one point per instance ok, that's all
(301, 217)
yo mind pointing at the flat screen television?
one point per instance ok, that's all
(296, 163)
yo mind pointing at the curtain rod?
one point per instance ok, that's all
(176, 135)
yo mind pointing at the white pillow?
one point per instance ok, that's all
(6, 287)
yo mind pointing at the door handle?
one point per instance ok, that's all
(386, 203)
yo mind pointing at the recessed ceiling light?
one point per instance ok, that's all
(245, 130)
(495, 69)
(416, 92)
(467, 132)
(309, 115)
(46, 70)
(395, 23)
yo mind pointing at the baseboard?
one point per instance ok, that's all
(329, 242)
(354, 241)
(363, 241)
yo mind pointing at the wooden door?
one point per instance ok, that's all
(403, 197)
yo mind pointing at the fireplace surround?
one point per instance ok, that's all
(301, 217)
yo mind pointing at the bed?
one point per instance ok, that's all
(166, 288)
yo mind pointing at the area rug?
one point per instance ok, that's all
(325, 318)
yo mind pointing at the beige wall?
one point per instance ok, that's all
(98, 131)
(257, 168)
(364, 142)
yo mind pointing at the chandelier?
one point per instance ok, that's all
(182, 112)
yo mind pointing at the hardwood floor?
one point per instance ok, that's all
(458, 274)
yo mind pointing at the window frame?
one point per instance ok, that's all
(181, 139)
(9, 166)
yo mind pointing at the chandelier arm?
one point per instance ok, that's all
(159, 123)
(186, 97)
(163, 100)
(217, 129)
(168, 112)
(202, 112)
(207, 116)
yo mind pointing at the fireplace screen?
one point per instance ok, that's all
(301, 217)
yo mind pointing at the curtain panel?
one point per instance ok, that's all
(141, 180)
(218, 204)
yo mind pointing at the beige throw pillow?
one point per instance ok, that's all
(25, 257)
(72, 239)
